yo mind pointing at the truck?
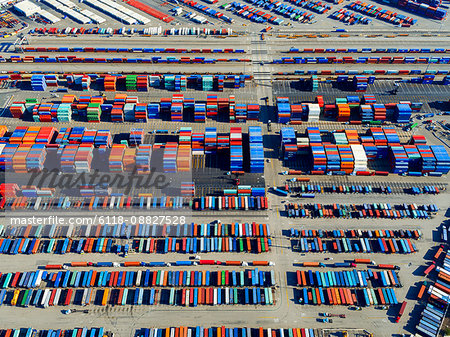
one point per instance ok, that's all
(70, 311)
(345, 265)
(428, 115)
(313, 264)
(327, 314)
(429, 268)
(177, 11)
(411, 127)
(400, 312)
(388, 266)
(279, 191)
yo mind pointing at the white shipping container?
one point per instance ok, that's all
(38, 203)
(83, 300)
(187, 298)
(69, 230)
(111, 203)
(369, 294)
(443, 270)
(57, 296)
(38, 281)
(363, 246)
(87, 233)
(44, 298)
(138, 278)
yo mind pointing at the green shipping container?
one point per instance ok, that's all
(24, 298)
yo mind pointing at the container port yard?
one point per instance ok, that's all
(224, 169)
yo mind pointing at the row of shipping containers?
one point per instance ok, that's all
(363, 245)
(386, 211)
(359, 189)
(144, 278)
(231, 203)
(350, 233)
(368, 50)
(347, 59)
(116, 201)
(251, 244)
(154, 59)
(183, 331)
(77, 332)
(342, 107)
(122, 202)
(113, 82)
(203, 245)
(209, 141)
(45, 298)
(211, 296)
(96, 110)
(156, 79)
(134, 50)
(223, 331)
(129, 230)
(344, 296)
(348, 278)
(363, 71)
